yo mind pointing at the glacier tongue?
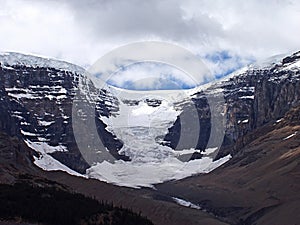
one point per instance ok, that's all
(140, 127)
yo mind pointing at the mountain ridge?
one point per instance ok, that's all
(259, 185)
(39, 101)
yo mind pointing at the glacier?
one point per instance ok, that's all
(141, 127)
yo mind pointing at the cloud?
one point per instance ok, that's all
(149, 75)
(222, 63)
(82, 31)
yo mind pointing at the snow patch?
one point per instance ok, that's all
(28, 133)
(247, 97)
(290, 136)
(47, 162)
(43, 147)
(295, 66)
(23, 95)
(210, 151)
(185, 203)
(45, 123)
(245, 121)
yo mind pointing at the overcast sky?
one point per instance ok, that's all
(227, 34)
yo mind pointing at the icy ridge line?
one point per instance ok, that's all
(14, 58)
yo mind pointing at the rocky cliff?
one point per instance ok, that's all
(36, 105)
(252, 96)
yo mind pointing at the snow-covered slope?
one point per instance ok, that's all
(8, 59)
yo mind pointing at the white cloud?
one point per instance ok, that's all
(46, 29)
(82, 31)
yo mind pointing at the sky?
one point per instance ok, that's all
(226, 35)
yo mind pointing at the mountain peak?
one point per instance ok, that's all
(14, 58)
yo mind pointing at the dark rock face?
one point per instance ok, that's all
(15, 158)
(196, 110)
(153, 102)
(7, 122)
(130, 102)
(36, 105)
(252, 98)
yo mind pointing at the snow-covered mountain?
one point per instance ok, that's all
(37, 96)
(142, 131)
(253, 96)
